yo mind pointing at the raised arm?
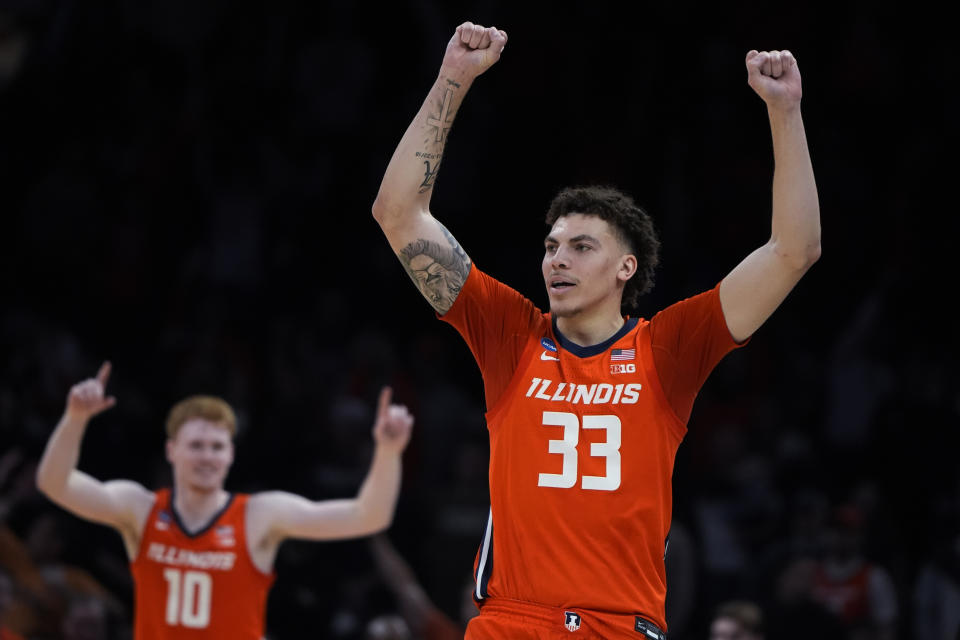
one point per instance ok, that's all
(122, 504)
(431, 256)
(757, 286)
(274, 516)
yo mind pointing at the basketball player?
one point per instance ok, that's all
(202, 557)
(586, 407)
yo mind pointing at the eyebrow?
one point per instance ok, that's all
(579, 238)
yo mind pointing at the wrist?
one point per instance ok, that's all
(75, 419)
(456, 77)
(386, 449)
(783, 112)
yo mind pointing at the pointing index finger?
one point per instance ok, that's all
(104, 374)
(383, 403)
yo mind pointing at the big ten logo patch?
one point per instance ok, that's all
(623, 367)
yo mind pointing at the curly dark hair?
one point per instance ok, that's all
(630, 221)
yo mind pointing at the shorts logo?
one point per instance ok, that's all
(571, 620)
(649, 629)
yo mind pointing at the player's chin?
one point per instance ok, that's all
(562, 309)
(209, 483)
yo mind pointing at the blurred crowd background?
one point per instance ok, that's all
(185, 191)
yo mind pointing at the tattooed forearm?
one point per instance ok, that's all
(444, 121)
(438, 271)
(438, 124)
(429, 175)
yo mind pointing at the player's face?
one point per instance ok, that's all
(201, 455)
(584, 265)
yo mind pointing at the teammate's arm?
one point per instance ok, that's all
(430, 254)
(276, 515)
(757, 286)
(122, 504)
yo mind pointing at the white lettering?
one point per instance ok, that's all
(631, 393)
(219, 560)
(543, 387)
(558, 394)
(616, 398)
(533, 385)
(584, 394)
(602, 393)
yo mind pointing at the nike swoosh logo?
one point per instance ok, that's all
(544, 356)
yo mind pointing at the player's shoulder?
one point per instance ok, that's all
(703, 302)
(132, 493)
(495, 304)
(269, 501)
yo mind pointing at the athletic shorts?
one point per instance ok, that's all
(502, 619)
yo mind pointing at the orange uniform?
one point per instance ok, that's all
(197, 586)
(582, 446)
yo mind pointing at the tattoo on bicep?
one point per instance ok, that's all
(438, 271)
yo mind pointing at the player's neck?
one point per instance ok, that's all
(587, 329)
(195, 508)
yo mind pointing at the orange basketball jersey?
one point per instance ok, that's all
(582, 446)
(197, 586)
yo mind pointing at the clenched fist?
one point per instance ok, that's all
(775, 76)
(473, 49)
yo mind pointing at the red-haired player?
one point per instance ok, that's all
(202, 557)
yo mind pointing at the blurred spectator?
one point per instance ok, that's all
(86, 619)
(794, 613)
(387, 627)
(858, 591)
(423, 618)
(937, 595)
(737, 620)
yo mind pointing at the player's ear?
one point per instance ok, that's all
(628, 267)
(169, 449)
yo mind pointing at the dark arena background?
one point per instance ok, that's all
(185, 190)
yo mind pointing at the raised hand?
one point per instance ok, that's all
(86, 399)
(393, 423)
(775, 76)
(473, 49)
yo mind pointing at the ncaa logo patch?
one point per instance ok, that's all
(548, 344)
(571, 620)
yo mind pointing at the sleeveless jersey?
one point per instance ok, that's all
(197, 586)
(582, 446)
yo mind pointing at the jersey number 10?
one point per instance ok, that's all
(567, 447)
(188, 598)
